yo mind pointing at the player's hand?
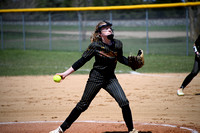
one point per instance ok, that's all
(62, 75)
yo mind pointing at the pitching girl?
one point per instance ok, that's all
(107, 51)
(195, 69)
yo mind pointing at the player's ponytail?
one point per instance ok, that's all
(95, 36)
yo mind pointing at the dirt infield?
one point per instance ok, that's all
(35, 104)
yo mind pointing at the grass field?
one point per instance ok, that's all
(41, 62)
(166, 55)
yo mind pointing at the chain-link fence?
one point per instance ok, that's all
(156, 31)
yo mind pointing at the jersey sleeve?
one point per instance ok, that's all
(86, 56)
(122, 59)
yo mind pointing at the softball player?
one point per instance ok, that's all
(107, 51)
(195, 69)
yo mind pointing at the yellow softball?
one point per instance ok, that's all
(57, 78)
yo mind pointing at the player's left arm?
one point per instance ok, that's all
(122, 59)
(135, 62)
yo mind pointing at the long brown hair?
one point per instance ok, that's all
(95, 36)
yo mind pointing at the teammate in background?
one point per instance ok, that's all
(107, 51)
(195, 69)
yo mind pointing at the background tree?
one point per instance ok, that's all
(194, 15)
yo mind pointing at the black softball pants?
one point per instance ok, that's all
(93, 86)
(194, 72)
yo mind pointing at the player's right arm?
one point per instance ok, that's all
(66, 73)
(87, 55)
(196, 46)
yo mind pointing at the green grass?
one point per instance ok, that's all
(167, 55)
(41, 62)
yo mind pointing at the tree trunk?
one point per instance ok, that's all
(194, 16)
(192, 27)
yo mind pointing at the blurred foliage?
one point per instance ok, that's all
(7, 4)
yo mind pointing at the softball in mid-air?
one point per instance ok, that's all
(57, 78)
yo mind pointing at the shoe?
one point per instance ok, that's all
(58, 130)
(134, 131)
(180, 92)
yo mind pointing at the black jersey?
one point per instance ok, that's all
(197, 43)
(106, 56)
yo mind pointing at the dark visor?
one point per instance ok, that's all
(104, 25)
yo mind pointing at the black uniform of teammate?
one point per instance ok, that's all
(195, 69)
(101, 76)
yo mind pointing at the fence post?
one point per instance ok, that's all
(80, 30)
(187, 23)
(110, 16)
(50, 44)
(24, 34)
(147, 31)
(2, 47)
